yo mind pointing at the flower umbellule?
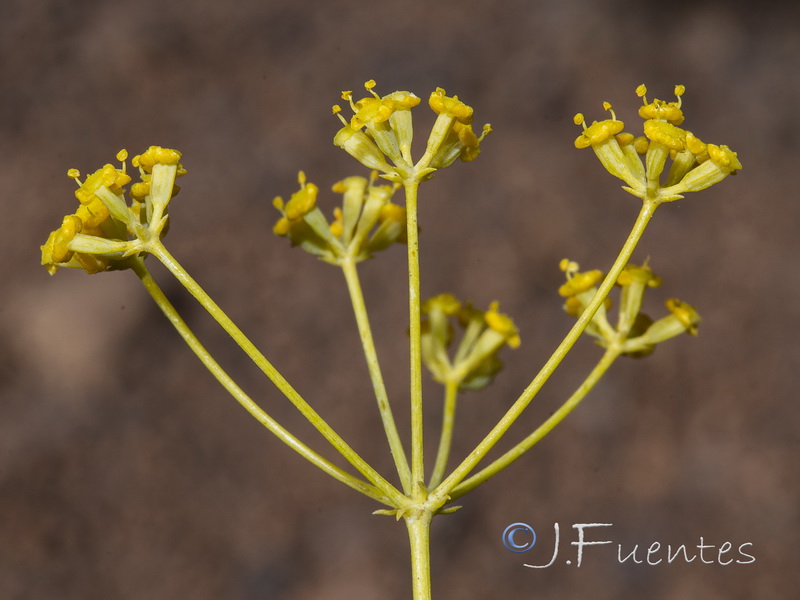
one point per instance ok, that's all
(695, 164)
(380, 132)
(636, 334)
(475, 361)
(367, 221)
(105, 230)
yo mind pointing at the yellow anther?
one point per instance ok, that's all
(73, 174)
(578, 119)
(641, 91)
(570, 267)
(122, 155)
(607, 106)
(337, 110)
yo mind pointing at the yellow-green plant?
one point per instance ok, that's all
(111, 231)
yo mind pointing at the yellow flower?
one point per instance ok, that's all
(503, 325)
(56, 250)
(598, 132)
(635, 334)
(380, 132)
(301, 219)
(683, 318)
(695, 165)
(475, 361)
(452, 136)
(579, 290)
(633, 280)
(619, 159)
(658, 109)
(388, 127)
(580, 282)
(665, 133)
(367, 221)
(156, 155)
(685, 313)
(105, 229)
(442, 104)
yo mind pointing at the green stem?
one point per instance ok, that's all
(157, 249)
(446, 439)
(417, 453)
(241, 397)
(419, 536)
(362, 320)
(480, 451)
(529, 442)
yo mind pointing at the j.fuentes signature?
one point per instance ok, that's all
(521, 537)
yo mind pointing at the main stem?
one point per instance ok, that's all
(470, 462)
(419, 536)
(417, 453)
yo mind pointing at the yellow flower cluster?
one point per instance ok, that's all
(105, 230)
(367, 222)
(636, 334)
(380, 132)
(695, 164)
(475, 362)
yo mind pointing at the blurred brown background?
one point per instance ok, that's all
(126, 472)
